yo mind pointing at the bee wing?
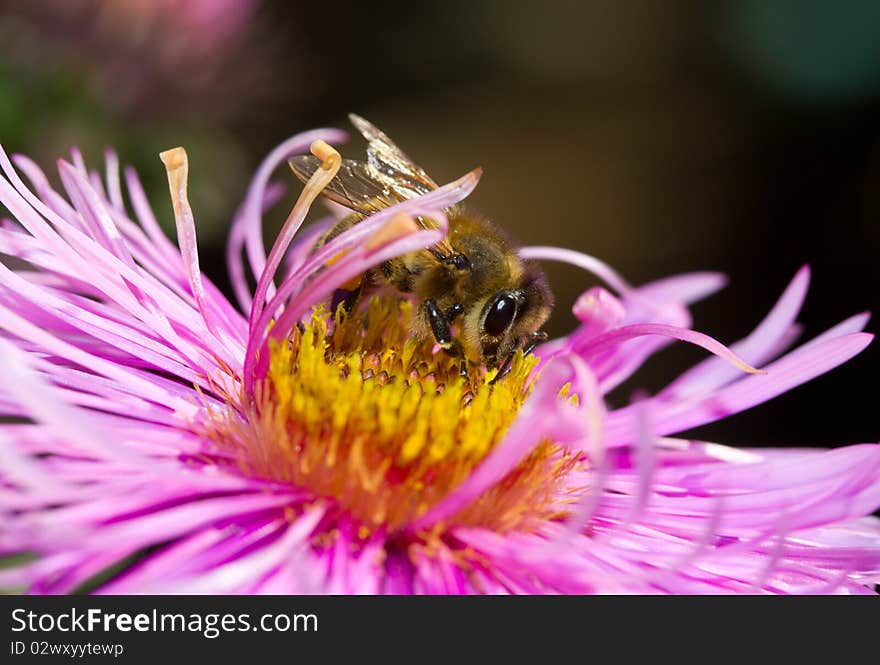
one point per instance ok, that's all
(355, 185)
(399, 173)
(388, 177)
(389, 161)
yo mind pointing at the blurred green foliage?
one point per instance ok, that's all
(819, 52)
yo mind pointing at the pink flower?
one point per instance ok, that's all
(159, 439)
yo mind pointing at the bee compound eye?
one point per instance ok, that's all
(500, 315)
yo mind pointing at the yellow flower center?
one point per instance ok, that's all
(355, 410)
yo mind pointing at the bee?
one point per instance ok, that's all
(477, 299)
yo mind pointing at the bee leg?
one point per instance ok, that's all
(459, 261)
(454, 312)
(456, 260)
(439, 325)
(534, 339)
(443, 333)
(455, 349)
(503, 369)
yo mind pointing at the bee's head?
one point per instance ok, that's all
(511, 318)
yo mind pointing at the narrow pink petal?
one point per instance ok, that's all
(109, 274)
(239, 573)
(24, 329)
(40, 403)
(660, 302)
(46, 193)
(367, 571)
(22, 470)
(114, 185)
(164, 564)
(122, 337)
(398, 574)
(338, 580)
(792, 370)
(89, 204)
(589, 263)
(617, 336)
(755, 348)
(161, 526)
(853, 324)
(684, 289)
(793, 469)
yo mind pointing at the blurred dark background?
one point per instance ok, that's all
(662, 137)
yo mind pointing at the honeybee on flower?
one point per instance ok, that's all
(473, 275)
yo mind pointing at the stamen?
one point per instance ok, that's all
(177, 166)
(331, 160)
(329, 156)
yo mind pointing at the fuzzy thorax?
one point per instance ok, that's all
(355, 411)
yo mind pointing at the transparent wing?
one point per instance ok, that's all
(354, 187)
(388, 177)
(389, 161)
